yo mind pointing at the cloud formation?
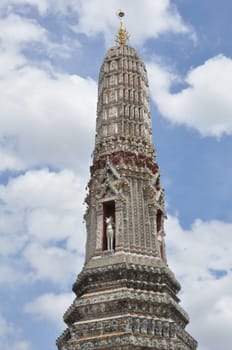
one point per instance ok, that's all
(11, 337)
(46, 116)
(204, 103)
(50, 307)
(157, 17)
(201, 257)
(42, 226)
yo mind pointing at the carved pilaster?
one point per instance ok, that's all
(99, 233)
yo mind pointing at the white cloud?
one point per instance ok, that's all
(18, 32)
(156, 17)
(201, 257)
(50, 307)
(15, 33)
(205, 104)
(52, 263)
(216, 257)
(9, 160)
(15, 30)
(42, 225)
(18, 6)
(11, 274)
(11, 337)
(44, 189)
(46, 119)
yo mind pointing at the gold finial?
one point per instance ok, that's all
(123, 34)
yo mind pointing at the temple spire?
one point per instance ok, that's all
(126, 295)
(123, 34)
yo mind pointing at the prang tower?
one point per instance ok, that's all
(126, 295)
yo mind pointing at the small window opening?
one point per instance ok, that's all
(158, 220)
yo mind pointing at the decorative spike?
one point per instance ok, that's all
(123, 34)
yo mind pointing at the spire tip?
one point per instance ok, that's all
(123, 34)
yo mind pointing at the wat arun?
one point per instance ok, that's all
(126, 294)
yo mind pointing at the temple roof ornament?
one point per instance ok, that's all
(123, 34)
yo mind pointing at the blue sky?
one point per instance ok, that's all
(50, 55)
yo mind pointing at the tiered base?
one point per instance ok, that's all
(125, 307)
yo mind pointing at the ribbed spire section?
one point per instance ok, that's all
(123, 109)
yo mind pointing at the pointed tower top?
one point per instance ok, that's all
(123, 34)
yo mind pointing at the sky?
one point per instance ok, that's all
(50, 56)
